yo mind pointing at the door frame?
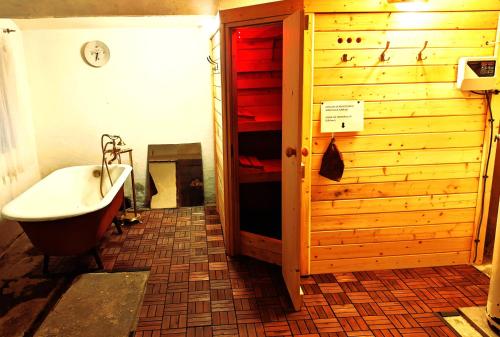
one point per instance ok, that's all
(230, 136)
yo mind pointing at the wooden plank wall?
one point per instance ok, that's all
(409, 195)
(218, 128)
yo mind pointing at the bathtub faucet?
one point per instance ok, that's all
(110, 148)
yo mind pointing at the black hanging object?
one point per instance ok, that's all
(332, 164)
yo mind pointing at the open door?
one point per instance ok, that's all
(293, 28)
(262, 99)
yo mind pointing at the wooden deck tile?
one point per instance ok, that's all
(196, 290)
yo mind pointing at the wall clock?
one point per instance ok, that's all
(96, 53)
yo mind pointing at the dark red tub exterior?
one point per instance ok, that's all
(73, 236)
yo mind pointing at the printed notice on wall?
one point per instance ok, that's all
(342, 116)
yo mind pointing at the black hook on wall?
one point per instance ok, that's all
(383, 58)
(419, 57)
(8, 30)
(212, 62)
(345, 59)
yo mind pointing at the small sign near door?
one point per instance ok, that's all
(342, 116)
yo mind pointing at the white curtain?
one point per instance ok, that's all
(18, 159)
(10, 151)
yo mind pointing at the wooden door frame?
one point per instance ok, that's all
(230, 135)
(262, 11)
(230, 19)
(293, 73)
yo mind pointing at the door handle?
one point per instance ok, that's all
(290, 152)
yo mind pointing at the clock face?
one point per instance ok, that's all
(96, 53)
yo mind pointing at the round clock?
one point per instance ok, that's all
(96, 53)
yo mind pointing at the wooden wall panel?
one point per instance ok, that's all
(343, 6)
(390, 234)
(218, 127)
(405, 39)
(407, 21)
(409, 194)
(401, 173)
(391, 219)
(419, 108)
(324, 58)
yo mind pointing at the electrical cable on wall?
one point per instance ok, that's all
(487, 95)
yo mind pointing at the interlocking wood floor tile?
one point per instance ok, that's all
(205, 331)
(328, 325)
(199, 319)
(330, 288)
(251, 330)
(277, 329)
(230, 330)
(194, 289)
(223, 317)
(378, 322)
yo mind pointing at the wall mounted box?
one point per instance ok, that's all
(476, 73)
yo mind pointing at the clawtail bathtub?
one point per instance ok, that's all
(65, 214)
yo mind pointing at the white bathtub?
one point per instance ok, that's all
(67, 192)
(65, 214)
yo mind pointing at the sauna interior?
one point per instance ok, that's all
(233, 107)
(258, 135)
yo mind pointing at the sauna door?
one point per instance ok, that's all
(292, 22)
(291, 140)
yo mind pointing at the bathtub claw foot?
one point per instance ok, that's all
(97, 257)
(118, 226)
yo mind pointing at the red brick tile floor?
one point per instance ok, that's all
(196, 290)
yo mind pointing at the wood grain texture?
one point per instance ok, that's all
(377, 263)
(401, 173)
(418, 108)
(339, 6)
(404, 158)
(261, 247)
(407, 21)
(218, 128)
(388, 92)
(394, 248)
(416, 165)
(405, 39)
(260, 11)
(406, 141)
(386, 218)
(307, 139)
(394, 204)
(324, 58)
(385, 75)
(293, 36)
(394, 189)
(390, 234)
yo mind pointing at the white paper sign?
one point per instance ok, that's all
(342, 116)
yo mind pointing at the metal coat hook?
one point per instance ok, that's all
(345, 59)
(212, 62)
(419, 57)
(383, 58)
(8, 30)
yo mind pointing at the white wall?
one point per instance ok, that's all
(22, 120)
(156, 88)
